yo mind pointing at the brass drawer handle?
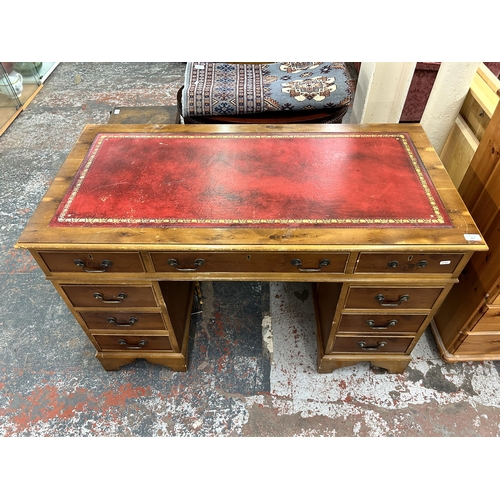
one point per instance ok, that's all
(390, 323)
(105, 264)
(119, 298)
(393, 263)
(140, 344)
(131, 321)
(371, 348)
(175, 263)
(391, 303)
(298, 263)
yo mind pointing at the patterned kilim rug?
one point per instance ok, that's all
(218, 89)
(252, 180)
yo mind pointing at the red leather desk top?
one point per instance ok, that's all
(251, 180)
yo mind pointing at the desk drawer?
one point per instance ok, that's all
(133, 343)
(93, 262)
(371, 344)
(98, 296)
(407, 263)
(390, 298)
(386, 324)
(126, 321)
(257, 262)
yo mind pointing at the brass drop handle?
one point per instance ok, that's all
(131, 321)
(175, 263)
(105, 264)
(140, 344)
(298, 263)
(371, 348)
(391, 303)
(119, 298)
(390, 323)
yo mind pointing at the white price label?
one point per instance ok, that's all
(472, 237)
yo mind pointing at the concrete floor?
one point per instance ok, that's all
(252, 354)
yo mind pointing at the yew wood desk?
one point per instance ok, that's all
(139, 213)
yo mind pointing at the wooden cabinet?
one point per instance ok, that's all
(467, 327)
(379, 273)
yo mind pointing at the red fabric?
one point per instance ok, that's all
(271, 180)
(419, 91)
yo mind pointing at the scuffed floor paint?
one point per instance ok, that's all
(430, 398)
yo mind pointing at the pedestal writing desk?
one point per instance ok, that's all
(139, 213)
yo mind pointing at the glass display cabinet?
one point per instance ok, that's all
(19, 84)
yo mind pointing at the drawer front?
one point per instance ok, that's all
(407, 263)
(110, 296)
(260, 262)
(385, 324)
(133, 343)
(126, 321)
(496, 302)
(480, 344)
(490, 320)
(92, 263)
(371, 344)
(389, 298)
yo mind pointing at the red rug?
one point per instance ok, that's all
(235, 180)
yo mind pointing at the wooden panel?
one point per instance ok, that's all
(251, 262)
(474, 116)
(144, 321)
(178, 297)
(484, 94)
(458, 150)
(490, 321)
(482, 164)
(485, 344)
(463, 305)
(145, 114)
(326, 296)
(484, 267)
(393, 297)
(486, 207)
(122, 296)
(133, 343)
(409, 323)
(407, 263)
(371, 344)
(488, 76)
(95, 262)
(496, 302)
